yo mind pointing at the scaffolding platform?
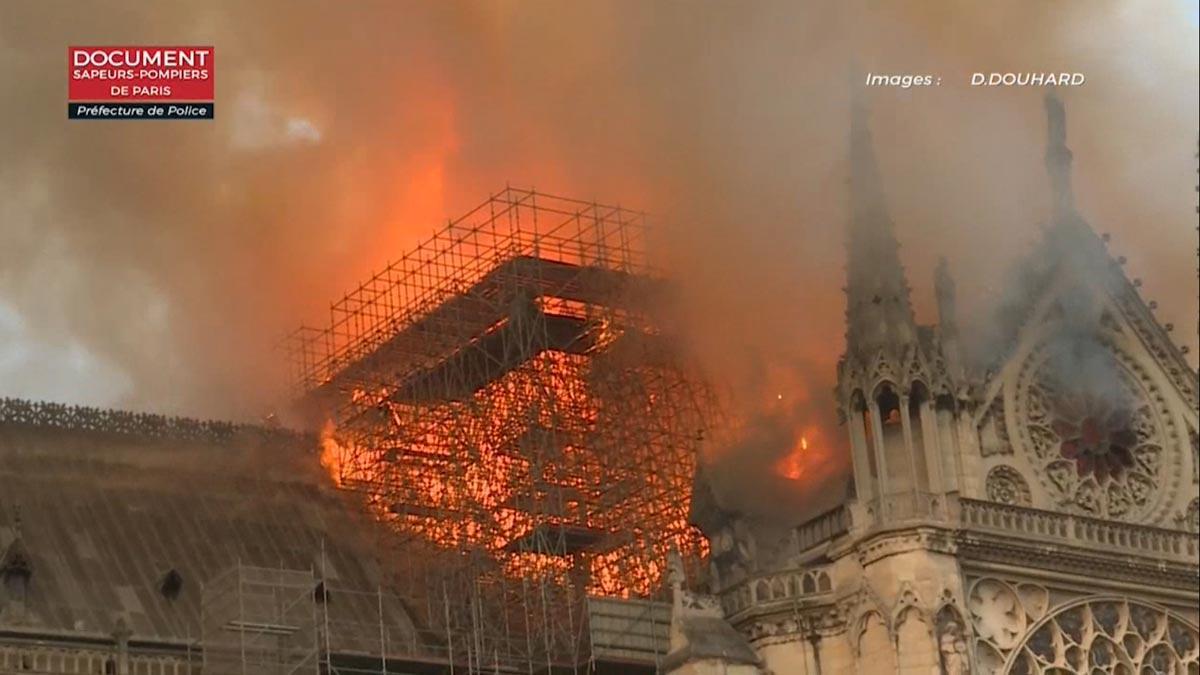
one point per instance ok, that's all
(260, 620)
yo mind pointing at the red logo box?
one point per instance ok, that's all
(140, 73)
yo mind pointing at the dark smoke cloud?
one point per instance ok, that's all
(154, 265)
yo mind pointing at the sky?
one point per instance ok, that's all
(157, 266)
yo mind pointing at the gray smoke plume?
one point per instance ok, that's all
(154, 266)
(1077, 362)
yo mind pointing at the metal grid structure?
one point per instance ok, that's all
(260, 621)
(506, 398)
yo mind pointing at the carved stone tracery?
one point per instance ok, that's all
(1191, 517)
(1016, 634)
(1099, 453)
(997, 613)
(1108, 636)
(1006, 485)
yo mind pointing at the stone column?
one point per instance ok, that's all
(880, 453)
(906, 428)
(864, 483)
(931, 436)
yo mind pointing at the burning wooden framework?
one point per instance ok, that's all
(506, 398)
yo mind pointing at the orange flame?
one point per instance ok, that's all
(791, 465)
(331, 453)
(517, 465)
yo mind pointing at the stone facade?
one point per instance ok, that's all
(1038, 515)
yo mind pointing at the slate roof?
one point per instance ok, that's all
(107, 512)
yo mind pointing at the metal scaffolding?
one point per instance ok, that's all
(507, 398)
(259, 621)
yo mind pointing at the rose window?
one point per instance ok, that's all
(1097, 452)
(1096, 434)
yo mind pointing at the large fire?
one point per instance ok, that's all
(509, 394)
(526, 471)
(525, 458)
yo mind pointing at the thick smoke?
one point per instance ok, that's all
(1077, 362)
(154, 266)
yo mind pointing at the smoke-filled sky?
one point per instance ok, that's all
(155, 265)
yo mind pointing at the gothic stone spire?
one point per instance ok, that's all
(878, 310)
(1058, 157)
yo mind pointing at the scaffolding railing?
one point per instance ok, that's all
(259, 621)
(511, 400)
(510, 224)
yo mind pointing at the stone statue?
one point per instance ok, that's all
(953, 649)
